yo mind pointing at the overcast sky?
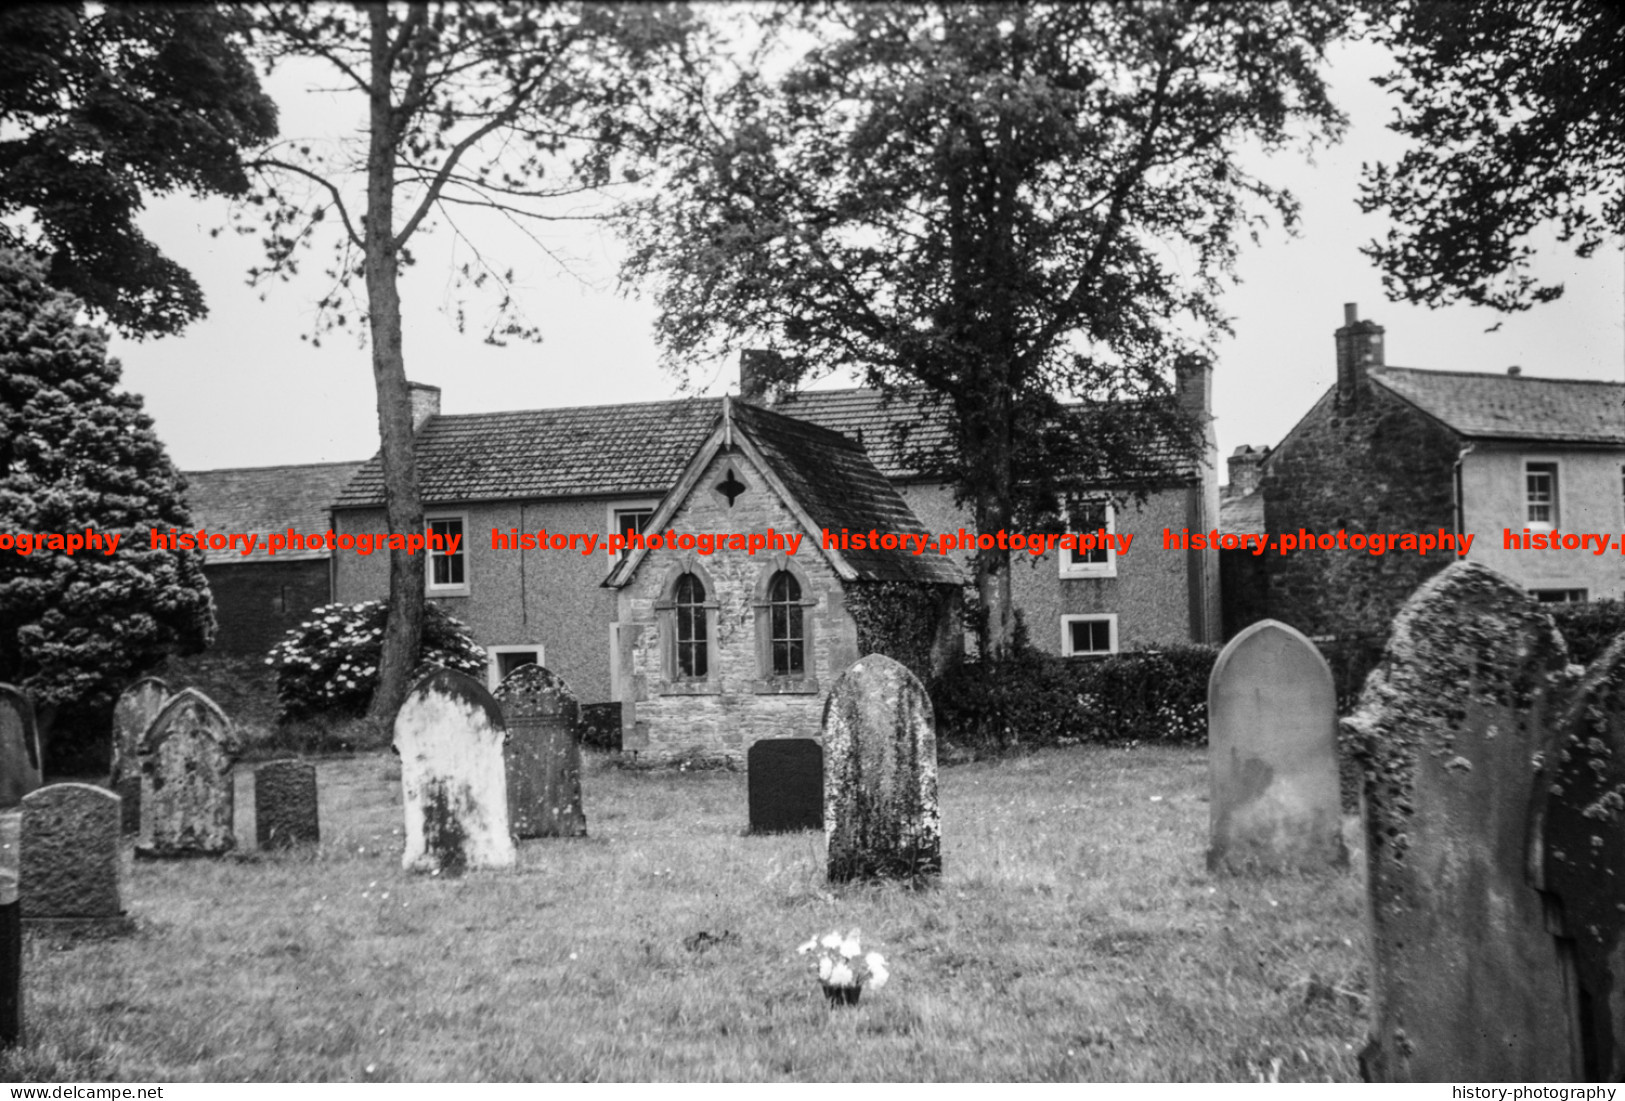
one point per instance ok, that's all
(242, 389)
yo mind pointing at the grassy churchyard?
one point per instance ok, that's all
(1076, 935)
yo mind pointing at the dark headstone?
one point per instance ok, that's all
(19, 747)
(137, 706)
(601, 726)
(285, 805)
(786, 782)
(72, 860)
(187, 793)
(880, 775)
(1272, 755)
(543, 754)
(1467, 983)
(449, 736)
(1578, 854)
(11, 928)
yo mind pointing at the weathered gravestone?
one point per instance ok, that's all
(72, 860)
(786, 785)
(880, 775)
(1467, 982)
(137, 706)
(543, 754)
(450, 736)
(19, 747)
(285, 805)
(187, 792)
(1273, 801)
(1577, 854)
(11, 928)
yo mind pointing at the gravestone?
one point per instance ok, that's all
(1467, 982)
(1274, 803)
(19, 747)
(285, 805)
(187, 793)
(137, 706)
(449, 735)
(786, 785)
(542, 755)
(880, 775)
(72, 860)
(11, 928)
(1578, 854)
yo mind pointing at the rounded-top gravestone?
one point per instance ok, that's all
(543, 754)
(449, 735)
(880, 775)
(187, 794)
(1272, 755)
(72, 860)
(19, 747)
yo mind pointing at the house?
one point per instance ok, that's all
(492, 479)
(259, 596)
(1405, 450)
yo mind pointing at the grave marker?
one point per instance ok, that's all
(543, 754)
(187, 795)
(19, 747)
(1274, 803)
(450, 736)
(137, 706)
(72, 860)
(880, 775)
(11, 928)
(786, 785)
(285, 811)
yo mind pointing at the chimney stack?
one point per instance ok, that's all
(1193, 384)
(1244, 465)
(1359, 351)
(761, 376)
(425, 403)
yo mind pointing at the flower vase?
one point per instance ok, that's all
(842, 995)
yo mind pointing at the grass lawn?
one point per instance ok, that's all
(1076, 935)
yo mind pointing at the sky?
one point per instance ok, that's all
(241, 388)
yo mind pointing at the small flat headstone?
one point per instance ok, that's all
(285, 805)
(1467, 983)
(543, 754)
(785, 777)
(72, 864)
(880, 775)
(1274, 803)
(449, 735)
(187, 791)
(137, 706)
(19, 747)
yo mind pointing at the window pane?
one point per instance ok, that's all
(1088, 518)
(1091, 636)
(784, 624)
(1540, 493)
(691, 627)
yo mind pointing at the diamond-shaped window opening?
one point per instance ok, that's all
(731, 487)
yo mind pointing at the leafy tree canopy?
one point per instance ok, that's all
(99, 110)
(1518, 111)
(76, 453)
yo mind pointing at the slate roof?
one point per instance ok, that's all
(265, 499)
(1514, 407)
(642, 449)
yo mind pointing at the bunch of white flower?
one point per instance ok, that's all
(842, 963)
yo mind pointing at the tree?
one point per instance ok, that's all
(78, 454)
(98, 110)
(1002, 205)
(1518, 109)
(469, 107)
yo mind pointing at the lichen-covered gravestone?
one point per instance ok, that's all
(1578, 854)
(19, 747)
(785, 777)
(880, 775)
(543, 754)
(72, 863)
(285, 805)
(1467, 982)
(11, 928)
(137, 706)
(1272, 755)
(449, 735)
(187, 793)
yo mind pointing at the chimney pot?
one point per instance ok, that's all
(1351, 312)
(1514, 370)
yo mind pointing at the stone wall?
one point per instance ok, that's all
(256, 603)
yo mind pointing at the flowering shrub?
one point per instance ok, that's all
(843, 966)
(329, 664)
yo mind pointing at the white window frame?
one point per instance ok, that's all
(1556, 521)
(634, 505)
(1091, 617)
(463, 551)
(493, 667)
(1108, 568)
